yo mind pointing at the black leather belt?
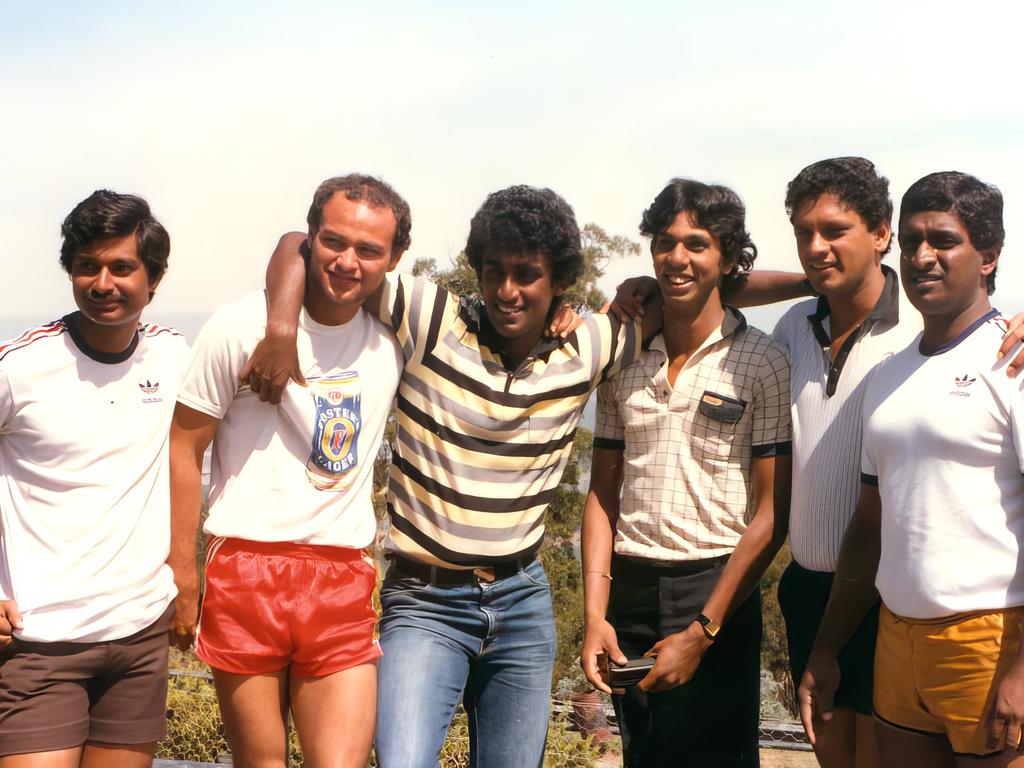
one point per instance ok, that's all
(403, 567)
(675, 567)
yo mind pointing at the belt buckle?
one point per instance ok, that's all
(484, 574)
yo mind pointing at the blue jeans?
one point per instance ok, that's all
(492, 645)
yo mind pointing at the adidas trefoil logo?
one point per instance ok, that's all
(149, 387)
(961, 385)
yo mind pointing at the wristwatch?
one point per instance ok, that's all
(710, 626)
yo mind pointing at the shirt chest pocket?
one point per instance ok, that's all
(715, 425)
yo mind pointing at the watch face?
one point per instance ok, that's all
(710, 626)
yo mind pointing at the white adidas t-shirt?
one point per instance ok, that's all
(942, 435)
(84, 484)
(301, 471)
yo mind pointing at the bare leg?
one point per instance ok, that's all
(867, 742)
(903, 749)
(60, 758)
(96, 755)
(334, 717)
(254, 708)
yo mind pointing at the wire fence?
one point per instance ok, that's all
(583, 728)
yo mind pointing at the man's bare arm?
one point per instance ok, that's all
(191, 433)
(853, 593)
(600, 514)
(762, 286)
(274, 360)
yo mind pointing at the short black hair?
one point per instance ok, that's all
(715, 208)
(523, 219)
(372, 191)
(978, 205)
(105, 214)
(854, 180)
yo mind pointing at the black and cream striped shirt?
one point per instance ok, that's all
(481, 449)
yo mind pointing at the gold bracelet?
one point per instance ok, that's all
(603, 574)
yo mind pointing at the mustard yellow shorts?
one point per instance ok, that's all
(940, 676)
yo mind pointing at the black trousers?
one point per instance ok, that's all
(712, 720)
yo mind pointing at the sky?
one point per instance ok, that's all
(226, 115)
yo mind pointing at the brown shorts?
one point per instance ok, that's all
(60, 695)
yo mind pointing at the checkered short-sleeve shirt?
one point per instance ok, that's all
(686, 481)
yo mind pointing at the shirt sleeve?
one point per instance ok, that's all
(868, 465)
(770, 425)
(609, 430)
(416, 310)
(6, 401)
(211, 376)
(606, 345)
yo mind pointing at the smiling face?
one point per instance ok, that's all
(688, 265)
(349, 255)
(111, 288)
(518, 293)
(838, 252)
(944, 275)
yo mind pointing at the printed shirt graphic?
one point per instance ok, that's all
(335, 450)
(942, 440)
(301, 471)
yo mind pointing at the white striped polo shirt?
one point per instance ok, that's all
(481, 449)
(827, 398)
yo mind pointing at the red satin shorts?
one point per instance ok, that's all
(268, 606)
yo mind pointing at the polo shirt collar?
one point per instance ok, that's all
(479, 334)
(886, 309)
(732, 323)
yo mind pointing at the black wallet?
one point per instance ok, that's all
(630, 673)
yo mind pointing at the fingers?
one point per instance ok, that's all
(13, 614)
(595, 667)
(805, 699)
(1014, 335)
(1016, 365)
(615, 653)
(181, 638)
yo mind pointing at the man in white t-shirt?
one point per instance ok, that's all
(85, 591)
(939, 525)
(288, 616)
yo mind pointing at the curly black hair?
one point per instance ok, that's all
(978, 205)
(105, 214)
(715, 208)
(524, 219)
(854, 180)
(375, 193)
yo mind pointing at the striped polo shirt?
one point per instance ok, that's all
(481, 449)
(827, 398)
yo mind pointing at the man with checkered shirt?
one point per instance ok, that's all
(688, 439)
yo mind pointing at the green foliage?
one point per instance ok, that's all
(774, 647)
(562, 522)
(459, 278)
(598, 249)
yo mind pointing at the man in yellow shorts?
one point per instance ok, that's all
(940, 521)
